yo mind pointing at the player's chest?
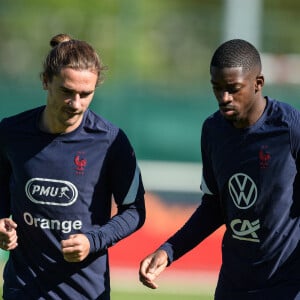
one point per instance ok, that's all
(58, 159)
(251, 154)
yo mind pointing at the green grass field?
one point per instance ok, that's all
(173, 285)
(157, 296)
(126, 287)
(149, 295)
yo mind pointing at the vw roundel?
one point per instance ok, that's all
(243, 190)
(51, 191)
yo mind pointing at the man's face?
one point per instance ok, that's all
(69, 95)
(236, 91)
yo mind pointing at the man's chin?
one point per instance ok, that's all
(72, 122)
(230, 117)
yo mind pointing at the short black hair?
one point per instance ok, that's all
(236, 53)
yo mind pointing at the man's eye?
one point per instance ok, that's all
(66, 92)
(84, 95)
(233, 90)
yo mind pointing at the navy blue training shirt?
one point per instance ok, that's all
(57, 185)
(251, 183)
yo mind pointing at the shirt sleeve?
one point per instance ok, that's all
(208, 184)
(204, 221)
(294, 118)
(207, 217)
(5, 173)
(128, 192)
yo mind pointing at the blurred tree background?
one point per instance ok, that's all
(158, 52)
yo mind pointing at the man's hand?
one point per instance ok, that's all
(8, 234)
(76, 248)
(151, 267)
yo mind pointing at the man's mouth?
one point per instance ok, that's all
(226, 108)
(71, 113)
(227, 111)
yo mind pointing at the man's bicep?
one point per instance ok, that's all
(5, 173)
(125, 175)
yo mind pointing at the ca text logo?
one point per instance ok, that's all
(245, 230)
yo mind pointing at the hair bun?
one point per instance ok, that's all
(59, 38)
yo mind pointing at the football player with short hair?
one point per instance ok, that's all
(251, 183)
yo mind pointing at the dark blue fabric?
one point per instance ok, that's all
(251, 177)
(57, 185)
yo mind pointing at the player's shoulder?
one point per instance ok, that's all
(94, 123)
(99, 126)
(283, 111)
(20, 119)
(280, 105)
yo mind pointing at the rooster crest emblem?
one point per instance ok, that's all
(264, 157)
(80, 163)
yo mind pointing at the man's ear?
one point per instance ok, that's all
(45, 82)
(259, 82)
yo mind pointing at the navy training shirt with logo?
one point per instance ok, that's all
(57, 185)
(251, 184)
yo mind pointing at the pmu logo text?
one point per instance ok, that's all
(51, 191)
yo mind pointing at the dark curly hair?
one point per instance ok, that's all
(236, 53)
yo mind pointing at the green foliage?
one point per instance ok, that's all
(157, 41)
(169, 40)
(148, 40)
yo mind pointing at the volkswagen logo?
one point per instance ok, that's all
(243, 190)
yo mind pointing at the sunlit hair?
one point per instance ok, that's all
(236, 53)
(70, 53)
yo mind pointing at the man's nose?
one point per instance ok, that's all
(226, 96)
(75, 101)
